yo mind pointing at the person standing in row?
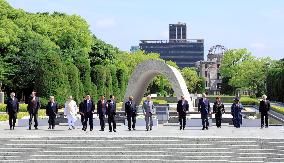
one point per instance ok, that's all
(88, 111)
(111, 113)
(264, 107)
(218, 109)
(81, 107)
(182, 109)
(236, 112)
(33, 107)
(70, 110)
(148, 111)
(51, 111)
(204, 109)
(131, 113)
(12, 108)
(102, 106)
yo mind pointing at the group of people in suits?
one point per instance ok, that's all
(148, 110)
(219, 109)
(107, 109)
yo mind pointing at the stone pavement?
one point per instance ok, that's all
(163, 144)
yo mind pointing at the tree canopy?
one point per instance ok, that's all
(56, 54)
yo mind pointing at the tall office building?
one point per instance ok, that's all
(177, 32)
(185, 52)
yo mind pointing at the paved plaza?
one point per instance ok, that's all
(162, 144)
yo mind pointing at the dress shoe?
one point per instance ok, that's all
(36, 128)
(10, 127)
(134, 129)
(73, 127)
(30, 127)
(129, 129)
(110, 130)
(206, 128)
(114, 130)
(91, 129)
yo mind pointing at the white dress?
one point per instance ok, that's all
(70, 110)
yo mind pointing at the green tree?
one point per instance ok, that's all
(99, 79)
(275, 81)
(75, 83)
(191, 79)
(245, 71)
(51, 79)
(200, 86)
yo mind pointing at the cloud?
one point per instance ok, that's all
(105, 23)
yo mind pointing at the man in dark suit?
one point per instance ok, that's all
(102, 105)
(111, 113)
(12, 108)
(33, 107)
(204, 109)
(264, 107)
(81, 107)
(131, 113)
(182, 109)
(51, 111)
(236, 112)
(88, 111)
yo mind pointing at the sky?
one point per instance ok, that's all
(257, 25)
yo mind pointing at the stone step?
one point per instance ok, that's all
(141, 149)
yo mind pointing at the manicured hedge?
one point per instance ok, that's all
(23, 107)
(4, 117)
(224, 99)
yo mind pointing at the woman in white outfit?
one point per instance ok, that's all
(70, 110)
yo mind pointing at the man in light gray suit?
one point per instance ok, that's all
(148, 111)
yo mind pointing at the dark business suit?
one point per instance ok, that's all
(131, 113)
(182, 108)
(51, 111)
(111, 112)
(81, 107)
(88, 109)
(12, 109)
(33, 107)
(204, 109)
(218, 109)
(236, 112)
(102, 112)
(264, 107)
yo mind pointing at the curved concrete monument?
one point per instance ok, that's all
(146, 71)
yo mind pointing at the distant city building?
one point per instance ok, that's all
(134, 49)
(185, 52)
(177, 32)
(210, 69)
